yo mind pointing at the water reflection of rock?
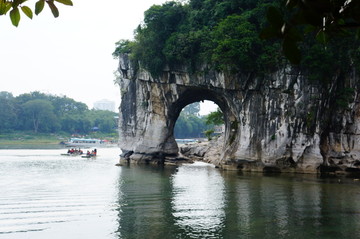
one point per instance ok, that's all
(144, 202)
(199, 201)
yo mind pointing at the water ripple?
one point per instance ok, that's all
(40, 192)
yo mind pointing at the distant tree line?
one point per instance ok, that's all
(191, 125)
(44, 113)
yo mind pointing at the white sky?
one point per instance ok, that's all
(70, 55)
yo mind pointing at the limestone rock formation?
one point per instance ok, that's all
(279, 121)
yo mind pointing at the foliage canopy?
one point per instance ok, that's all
(215, 118)
(226, 35)
(13, 7)
(323, 19)
(220, 33)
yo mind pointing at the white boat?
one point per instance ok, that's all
(185, 141)
(85, 143)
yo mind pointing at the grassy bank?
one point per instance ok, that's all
(30, 138)
(15, 138)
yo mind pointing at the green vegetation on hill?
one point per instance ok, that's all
(224, 35)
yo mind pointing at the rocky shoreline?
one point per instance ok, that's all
(210, 152)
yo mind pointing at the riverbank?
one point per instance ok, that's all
(210, 152)
(16, 138)
(31, 138)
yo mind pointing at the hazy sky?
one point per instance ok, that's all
(70, 55)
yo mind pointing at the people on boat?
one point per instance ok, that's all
(92, 153)
(75, 151)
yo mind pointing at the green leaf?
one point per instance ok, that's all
(39, 6)
(357, 34)
(312, 17)
(294, 34)
(291, 3)
(341, 21)
(291, 51)
(8, 7)
(65, 2)
(15, 16)
(4, 7)
(275, 17)
(299, 18)
(309, 28)
(16, 3)
(27, 11)
(53, 8)
(322, 37)
(268, 32)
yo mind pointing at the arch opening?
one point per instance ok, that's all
(193, 123)
(190, 96)
(147, 126)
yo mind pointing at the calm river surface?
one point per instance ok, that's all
(46, 195)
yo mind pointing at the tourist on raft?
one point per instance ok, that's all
(75, 151)
(93, 152)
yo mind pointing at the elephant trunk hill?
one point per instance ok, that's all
(280, 122)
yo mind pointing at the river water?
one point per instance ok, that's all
(46, 195)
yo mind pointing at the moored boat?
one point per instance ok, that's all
(184, 141)
(85, 143)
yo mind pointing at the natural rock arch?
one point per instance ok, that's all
(152, 133)
(278, 121)
(195, 94)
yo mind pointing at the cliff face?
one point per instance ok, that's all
(280, 122)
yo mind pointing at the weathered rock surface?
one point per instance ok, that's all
(279, 121)
(208, 151)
